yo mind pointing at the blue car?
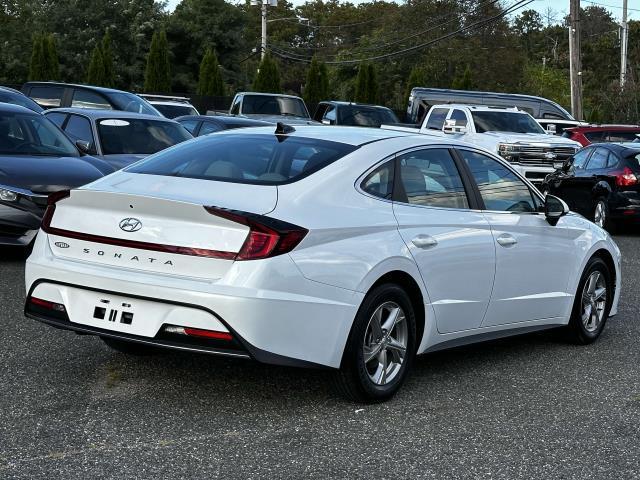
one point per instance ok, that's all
(119, 138)
(36, 160)
(9, 95)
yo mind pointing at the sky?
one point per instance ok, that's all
(561, 7)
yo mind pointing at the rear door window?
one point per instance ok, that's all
(437, 118)
(47, 96)
(595, 137)
(57, 117)
(257, 159)
(87, 99)
(622, 136)
(379, 183)
(190, 125)
(598, 160)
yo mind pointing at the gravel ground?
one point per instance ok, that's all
(527, 407)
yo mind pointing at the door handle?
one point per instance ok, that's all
(424, 241)
(506, 240)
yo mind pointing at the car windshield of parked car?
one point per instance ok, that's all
(19, 99)
(174, 111)
(505, 122)
(272, 105)
(245, 158)
(138, 136)
(32, 134)
(366, 116)
(133, 103)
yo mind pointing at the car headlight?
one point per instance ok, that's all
(8, 195)
(508, 151)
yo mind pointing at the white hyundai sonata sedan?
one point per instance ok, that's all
(353, 249)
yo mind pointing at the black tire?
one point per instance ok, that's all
(576, 330)
(130, 348)
(352, 380)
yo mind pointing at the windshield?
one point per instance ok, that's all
(132, 103)
(173, 111)
(138, 136)
(32, 134)
(245, 158)
(366, 116)
(19, 99)
(272, 105)
(505, 122)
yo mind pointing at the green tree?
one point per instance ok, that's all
(362, 86)
(464, 81)
(316, 88)
(37, 67)
(95, 72)
(366, 84)
(268, 78)
(548, 82)
(157, 77)
(417, 78)
(51, 66)
(107, 61)
(210, 79)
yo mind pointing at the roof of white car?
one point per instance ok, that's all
(348, 135)
(480, 108)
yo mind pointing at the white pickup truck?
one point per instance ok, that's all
(511, 133)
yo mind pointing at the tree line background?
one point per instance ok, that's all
(373, 52)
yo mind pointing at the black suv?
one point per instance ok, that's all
(354, 114)
(54, 95)
(601, 182)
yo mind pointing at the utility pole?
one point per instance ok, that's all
(264, 4)
(575, 59)
(624, 45)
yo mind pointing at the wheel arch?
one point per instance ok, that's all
(607, 258)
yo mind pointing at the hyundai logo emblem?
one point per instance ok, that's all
(130, 224)
(61, 245)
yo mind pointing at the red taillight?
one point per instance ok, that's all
(47, 304)
(267, 237)
(626, 178)
(198, 332)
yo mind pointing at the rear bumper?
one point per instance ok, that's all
(276, 315)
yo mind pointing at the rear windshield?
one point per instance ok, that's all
(174, 111)
(138, 136)
(272, 105)
(366, 116)
(245, 158)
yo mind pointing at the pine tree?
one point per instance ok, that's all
(316, 88)
(95, 72)
(51, 67)
(417, 78)
(372, 84)
(157, 77)
(362, 84)
(107, 61)
(463, 82)
(268, 78)
(37, 66)
(210, 81)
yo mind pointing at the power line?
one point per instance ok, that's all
(486, 3)
(611, 6)
(519, 4)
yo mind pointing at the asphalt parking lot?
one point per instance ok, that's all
(528, 407)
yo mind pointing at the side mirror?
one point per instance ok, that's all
(551, 129)
(83, 146)
(451, 127)
(554, 209)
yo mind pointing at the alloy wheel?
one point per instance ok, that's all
(594, 301)
(385, 343)
(600, 215)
